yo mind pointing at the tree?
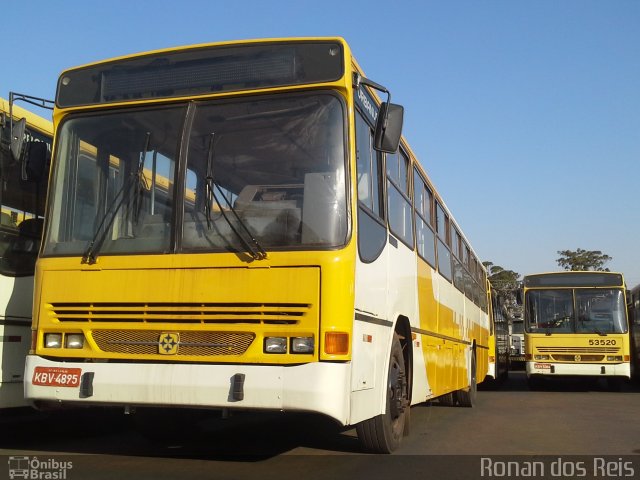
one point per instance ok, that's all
(583, 260)
(506, 283)
(500, 278)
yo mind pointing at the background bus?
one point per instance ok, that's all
(576, 324)
(634, 323)
(499, 345)
(516, 338)
(293, 258)
(22, 204)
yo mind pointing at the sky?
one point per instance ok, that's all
(525, 114)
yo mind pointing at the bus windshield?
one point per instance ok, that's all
(588, 310)
(275, 165)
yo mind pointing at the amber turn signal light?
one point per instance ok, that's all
(336, 343)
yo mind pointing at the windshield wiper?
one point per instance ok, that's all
(249, 241)
(599, 332)
(140, 181)
(89, 256)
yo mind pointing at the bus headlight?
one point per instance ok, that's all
(275, 345)
(74, 340)
(53, 340)
(302, 345)
(614, 358)
(542, 357)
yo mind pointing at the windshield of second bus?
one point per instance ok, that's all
(589, 310)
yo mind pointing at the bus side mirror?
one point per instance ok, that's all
(17, 138)
(389, 127)
(34, 161)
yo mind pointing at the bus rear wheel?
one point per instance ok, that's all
(467, 398)
(383, 433)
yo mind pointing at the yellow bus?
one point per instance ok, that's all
(576, 324)
(22, 201)
(295, 257)
(633, 305)
(498, 367)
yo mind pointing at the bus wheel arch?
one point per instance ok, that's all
(403, 330)
(467, 396)
(383, 433)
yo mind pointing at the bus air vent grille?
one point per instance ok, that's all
(186, 313)
(579, 350)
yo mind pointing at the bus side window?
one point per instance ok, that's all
(373, 231)
(425, 237)
(369, 168)
(399, 203)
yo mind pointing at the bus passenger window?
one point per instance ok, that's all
(369, 167)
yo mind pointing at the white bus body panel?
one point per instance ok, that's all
(16, 299)
(385, 290)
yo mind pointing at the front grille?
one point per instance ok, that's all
(185, 313)
(579, 350)
(578, 358)
(191, 343)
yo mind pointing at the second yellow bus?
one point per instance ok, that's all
(576, 324)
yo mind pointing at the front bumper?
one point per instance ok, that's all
(313, 387)
(581, 369)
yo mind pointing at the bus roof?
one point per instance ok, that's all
(227, 43)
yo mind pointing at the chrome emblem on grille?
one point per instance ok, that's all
(168, 343)
(577, 358)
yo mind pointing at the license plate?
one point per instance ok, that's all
(544, 366)
(57, 376)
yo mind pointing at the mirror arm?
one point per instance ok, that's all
(11, 95)
(360, 80)
(16, 144)
(37, 101)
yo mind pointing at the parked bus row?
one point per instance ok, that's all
(242, 226)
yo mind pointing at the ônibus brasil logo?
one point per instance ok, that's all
(31, 468)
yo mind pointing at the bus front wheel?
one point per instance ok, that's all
(383, 433)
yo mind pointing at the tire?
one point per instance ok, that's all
(467, 397)
(447, 400)
(383, 433)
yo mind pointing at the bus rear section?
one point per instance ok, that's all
(576, 325)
